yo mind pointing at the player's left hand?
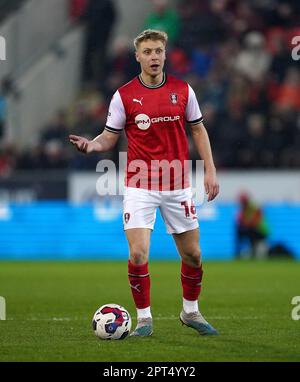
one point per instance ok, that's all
(211, 184)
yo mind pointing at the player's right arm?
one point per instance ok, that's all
(103, 142)
(114, 125)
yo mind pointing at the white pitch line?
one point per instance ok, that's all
(155, 318)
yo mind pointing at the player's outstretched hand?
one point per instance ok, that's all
(211, 185)
(82, 144)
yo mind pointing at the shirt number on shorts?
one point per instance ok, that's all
(189, 209)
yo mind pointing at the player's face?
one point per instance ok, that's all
(151, 55)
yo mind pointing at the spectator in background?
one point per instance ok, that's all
(201, 25)
(54, 155)
(8, 159)
(245, 19)
(6, 88)
(164, 18)
(77, 8)
(100, 18)
(230, 133)
(288, 93)
(57, 129)
(88, 115)
(121, 65)
(251, 226)
(190, 25)
(253, 147)
(278, 45)
(85, 121)
(32, 158)
(2, 115)
(202, 58)
(179, 63)
(279, 141)
(253, 61)
(283, 13)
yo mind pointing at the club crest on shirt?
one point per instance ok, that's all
(174, 98)
(126, 217)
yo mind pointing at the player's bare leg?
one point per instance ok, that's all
(191, 278)
(139, 279)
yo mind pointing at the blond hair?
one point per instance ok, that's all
(151, 34)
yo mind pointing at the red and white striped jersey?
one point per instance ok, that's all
(154, 121)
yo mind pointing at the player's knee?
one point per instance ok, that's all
(193, 257)
(138, 255)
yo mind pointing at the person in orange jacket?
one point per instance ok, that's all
(252, 226)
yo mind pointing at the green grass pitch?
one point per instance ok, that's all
(49, 307)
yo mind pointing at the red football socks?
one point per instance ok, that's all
(191, 279)
(139, 280)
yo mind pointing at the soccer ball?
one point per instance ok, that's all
(111, 322)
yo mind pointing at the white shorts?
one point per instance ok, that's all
(176, 207)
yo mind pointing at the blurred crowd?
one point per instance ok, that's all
(237, 55)
(7, 6)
